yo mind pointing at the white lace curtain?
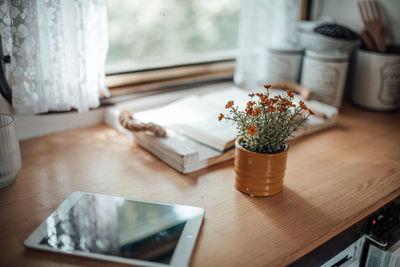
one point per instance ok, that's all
(58, 50)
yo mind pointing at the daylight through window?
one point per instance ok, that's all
(147, 34)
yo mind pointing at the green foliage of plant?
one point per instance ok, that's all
(267, 122)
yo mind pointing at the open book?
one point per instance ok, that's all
(196, 139)
(196, 117)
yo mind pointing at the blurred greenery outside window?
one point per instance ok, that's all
(148, 34)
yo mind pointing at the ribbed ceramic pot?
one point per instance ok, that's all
(259, 174)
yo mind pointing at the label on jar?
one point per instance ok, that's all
(322, 78)
(389, 93)
(325, 79)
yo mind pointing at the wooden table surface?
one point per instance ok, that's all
(334, 178)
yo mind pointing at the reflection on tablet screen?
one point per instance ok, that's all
(118, 227)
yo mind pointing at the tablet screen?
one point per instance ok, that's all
(118, 227)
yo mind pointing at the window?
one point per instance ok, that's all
(157, 44)
(148, 34)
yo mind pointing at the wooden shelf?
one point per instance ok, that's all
(334, 178)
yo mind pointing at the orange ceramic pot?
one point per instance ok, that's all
(259, 174)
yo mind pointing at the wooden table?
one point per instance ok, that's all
(334, 178)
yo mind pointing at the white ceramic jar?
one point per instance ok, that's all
(376, 83)
(281, 65)
(325, 73)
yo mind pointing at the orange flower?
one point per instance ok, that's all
(229, 104)
(267, 86)
(290, 93)
(286, 102)
(256, 112)
(251, 129)
(250, 103)
(251, 95)
(264, 100)
(249, 110)
(282, 108)
(221, 116)
(303, 106)
(271, 109)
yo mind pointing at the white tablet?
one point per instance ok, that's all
(121, 230)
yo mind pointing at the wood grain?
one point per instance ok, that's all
(334, 178)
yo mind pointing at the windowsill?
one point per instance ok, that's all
(30, 126)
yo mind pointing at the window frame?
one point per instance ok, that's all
(156, 80)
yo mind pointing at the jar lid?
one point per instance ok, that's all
(285, 50)
(336, 56)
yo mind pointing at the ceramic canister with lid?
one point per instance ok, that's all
(325, 73)
(376, 83)
(281, 65)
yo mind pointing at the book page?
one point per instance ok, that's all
(194, 117)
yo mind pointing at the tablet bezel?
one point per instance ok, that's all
(182, 252)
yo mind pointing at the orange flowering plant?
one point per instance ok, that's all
(267, 122)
